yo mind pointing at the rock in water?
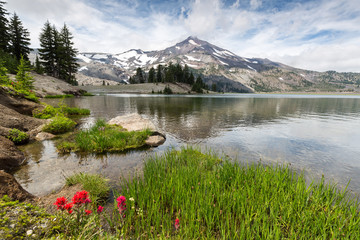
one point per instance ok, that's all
(155, 141)
(10, 155)
(9, 186)
(134, 122)
(44, 136)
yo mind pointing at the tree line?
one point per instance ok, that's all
(57, 55)
(171, 73)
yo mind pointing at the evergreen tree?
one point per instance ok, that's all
(139, 75)
(47, 49)
(4, 79)
(67, 65)
(4, 34)
(19, 38)
(38, 68)
(151, 78)
(198, 85)
(213, 87)
(159, 74)
(23, 77)
(191, 79)
(186, 72)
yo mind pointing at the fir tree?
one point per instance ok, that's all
(23, 77)
(191, 79)
(159, 74)
(19, 38)
(4, 34)
(186, 72)
(68, 65)
(4, 79)
(151, 78)
(38, 68)
(139, 75)
(47, 49)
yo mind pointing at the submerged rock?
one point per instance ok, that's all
(135, 122)
(10, 155)
(9, 186)
(44, 136)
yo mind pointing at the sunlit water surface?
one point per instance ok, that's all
(317, 134)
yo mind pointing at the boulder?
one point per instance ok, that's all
(41, 136)
(155, 141)
(17, 103)
(10, 155)
(9, 186)
(134, 122)
(13, 119)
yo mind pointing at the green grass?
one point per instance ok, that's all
(59, 124)
(218, 199)
(96, 185)
(105, 138)
(60, 96)
(50, 111)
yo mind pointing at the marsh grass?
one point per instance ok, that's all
(95, 184)
(62, 109)
(103, 137)
(219, 199)
(59, 124)
(60, 96)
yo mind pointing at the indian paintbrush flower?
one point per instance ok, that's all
(177, 224)
(60, 203)
(100, 209)
(121, 204)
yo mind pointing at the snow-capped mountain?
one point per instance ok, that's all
(217, 65)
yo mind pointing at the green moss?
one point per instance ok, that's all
(17, 136)
(18, 218)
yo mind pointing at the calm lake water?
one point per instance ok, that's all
(317, 134)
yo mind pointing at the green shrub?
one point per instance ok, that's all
(96, 185)
(59, 124)
(17, 136)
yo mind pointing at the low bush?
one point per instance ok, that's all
(18, 136)
(59, 124)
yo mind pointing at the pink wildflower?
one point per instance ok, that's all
(88, 212)
(100, 209)
(177, 224)
(60, 203)
(121, 204)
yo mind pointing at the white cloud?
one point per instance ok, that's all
(288, 36)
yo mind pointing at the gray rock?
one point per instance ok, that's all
(10, 155)
(9, 186)
(44, 136)
(155, 141)
(133, 122)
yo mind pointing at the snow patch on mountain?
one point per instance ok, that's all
(83, 68)
(193, 42)
(192, 58)
(83, 58)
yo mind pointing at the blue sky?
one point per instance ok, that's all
(311, 34)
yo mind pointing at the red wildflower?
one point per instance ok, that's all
(177, 224)
(60, 203)
(81, 197)
(68, 207)
(121, 204)
(88, 212)
(100, 209)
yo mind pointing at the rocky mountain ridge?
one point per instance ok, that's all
(231, 73)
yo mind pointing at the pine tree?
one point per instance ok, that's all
(4, 79)
(159, 74)
(191, 79)
(151, 78)
(139, 75)
(38, 68)
(23, 77)
(4, 34)
(19, 38)
(186, 72)
(67, 64)
(47, 49)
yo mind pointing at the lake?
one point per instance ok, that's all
(316, 134)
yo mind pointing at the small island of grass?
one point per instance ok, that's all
(103, 137)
